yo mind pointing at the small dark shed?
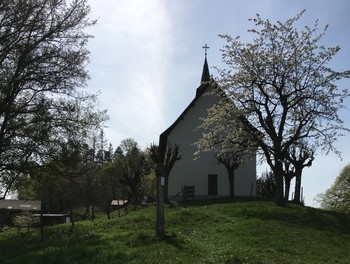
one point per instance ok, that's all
(9, 209)
(53, 219)
(117, 204)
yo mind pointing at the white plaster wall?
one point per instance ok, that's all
(188, 171)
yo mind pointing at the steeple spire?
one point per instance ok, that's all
(205, 73)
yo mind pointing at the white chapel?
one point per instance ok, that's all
(208, 177)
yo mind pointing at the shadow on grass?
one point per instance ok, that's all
(29, 248)
(141, 239)
(174, 241)
(88, 242)
(300, 215)
(221, 200)
(291, 213)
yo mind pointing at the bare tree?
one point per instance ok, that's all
(163, 167)
(300, 156)
(171, 157)
(157, 158)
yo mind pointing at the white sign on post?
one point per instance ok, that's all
(162, 181)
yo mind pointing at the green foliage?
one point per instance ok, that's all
(201, 232)
(133, 166)
(266, 185)
(73, 178)
(27, 220)
(150, 183)
(43, 54)
(337, 197)
(130, 173)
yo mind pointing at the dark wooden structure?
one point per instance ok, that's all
(187, 192)
(9, 209)
(53, 219)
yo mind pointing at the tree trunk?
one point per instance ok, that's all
(87, 211)
(287, 187)
(108, 209)
(93, 212)
(297, 198)
(278, 171)
(231, 180)
(165, 188)
(41, 222)
(71, 217)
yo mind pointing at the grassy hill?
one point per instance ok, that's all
(200, 232)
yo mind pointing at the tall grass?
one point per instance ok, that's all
(198, 232)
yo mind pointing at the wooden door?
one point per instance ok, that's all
(212, 184)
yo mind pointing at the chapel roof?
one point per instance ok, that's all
(205, 72)
(204, 85)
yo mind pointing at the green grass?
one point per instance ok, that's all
(200, 232)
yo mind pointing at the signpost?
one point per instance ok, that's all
(160, 200)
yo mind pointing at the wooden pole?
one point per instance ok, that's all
(160, 201)
(41, 221)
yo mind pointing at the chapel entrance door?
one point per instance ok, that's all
(212, 184)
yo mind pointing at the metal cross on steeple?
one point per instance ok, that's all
(205, 73)
(205, 47)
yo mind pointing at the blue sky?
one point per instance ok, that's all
(146, 61)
